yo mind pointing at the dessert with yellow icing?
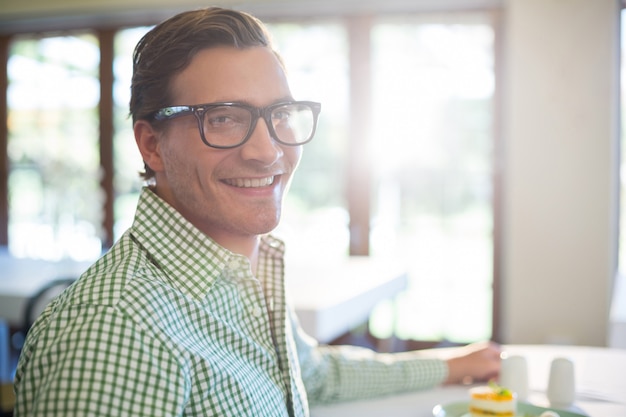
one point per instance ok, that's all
(492, 401)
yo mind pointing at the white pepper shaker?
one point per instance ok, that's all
(514, 375)
(561, 384)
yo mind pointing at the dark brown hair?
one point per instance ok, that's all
(169, 47)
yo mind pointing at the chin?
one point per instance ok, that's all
(267, 225)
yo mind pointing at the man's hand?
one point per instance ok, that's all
(474, 363)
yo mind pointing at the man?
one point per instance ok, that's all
(186, 315)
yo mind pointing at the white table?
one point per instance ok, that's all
(330, 298)
(600, 383)
(334, 297)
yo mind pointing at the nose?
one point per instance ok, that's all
(261, 146)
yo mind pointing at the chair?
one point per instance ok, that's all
(36, 304)
(7, 399)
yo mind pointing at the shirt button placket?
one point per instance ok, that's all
(256, 311)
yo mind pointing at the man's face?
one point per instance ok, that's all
(236, 193)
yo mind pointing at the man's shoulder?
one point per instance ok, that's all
(107, 279)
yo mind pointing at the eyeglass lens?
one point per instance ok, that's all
(230, 125)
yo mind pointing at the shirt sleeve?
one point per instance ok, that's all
(339, 373)
(98, 362)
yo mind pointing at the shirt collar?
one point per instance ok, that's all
(189, 258)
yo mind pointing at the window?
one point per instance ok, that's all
(127, 160)
(315, 218)
(431, 164)
(54, 190)
(428, 147)
(315, 210)
(433, 87)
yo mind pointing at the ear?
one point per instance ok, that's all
(148, 143)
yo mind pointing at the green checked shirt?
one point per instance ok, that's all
(168, 323)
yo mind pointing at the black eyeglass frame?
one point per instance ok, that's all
(199, 110)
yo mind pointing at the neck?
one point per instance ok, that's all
(241, 244)
(247, 246)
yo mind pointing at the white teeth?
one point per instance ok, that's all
(250, 182)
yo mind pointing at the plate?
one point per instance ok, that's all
(461, 409)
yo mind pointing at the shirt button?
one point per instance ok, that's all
(233, 264)
(257, 311)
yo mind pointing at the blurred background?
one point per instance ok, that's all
(476, 141)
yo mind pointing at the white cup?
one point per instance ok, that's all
(561, 385)
(514, 375)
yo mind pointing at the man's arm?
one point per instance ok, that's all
(336, 373)
(98, 363)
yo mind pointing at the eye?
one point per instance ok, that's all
(219, 120)
(281, 114)
(225, 117)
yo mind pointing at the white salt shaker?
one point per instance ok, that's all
(514, 375)
(561, 385)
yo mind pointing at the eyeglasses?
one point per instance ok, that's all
(228, 125)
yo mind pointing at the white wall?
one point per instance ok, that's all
(560, 130)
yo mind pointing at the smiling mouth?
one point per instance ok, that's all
(250, 182)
